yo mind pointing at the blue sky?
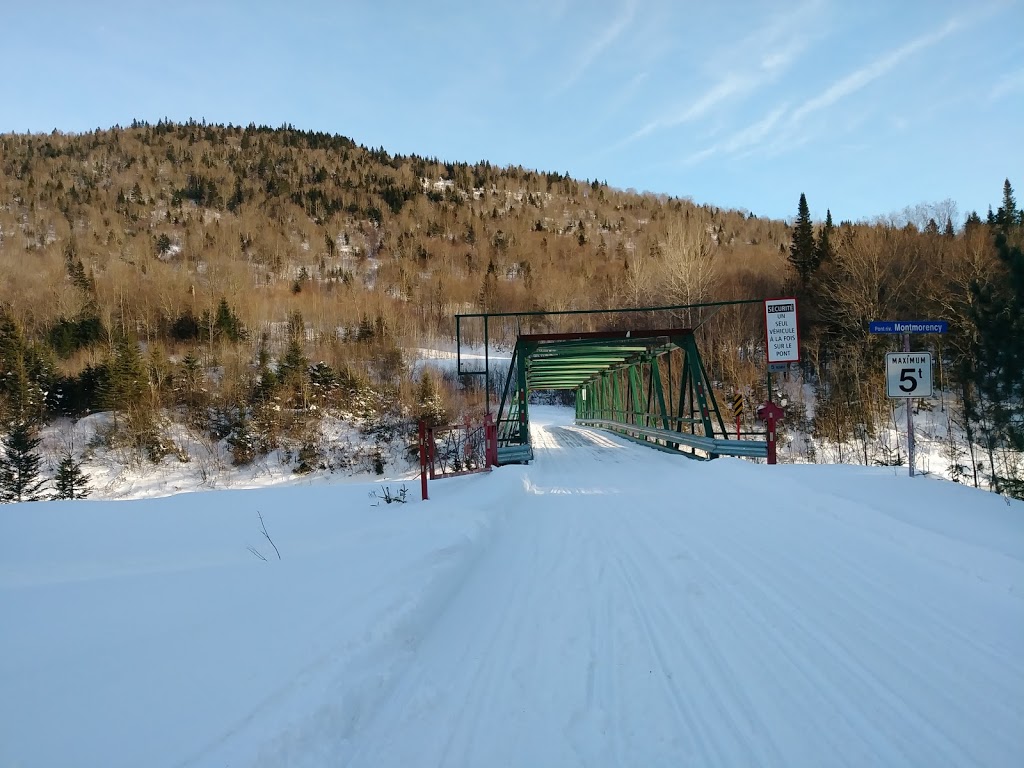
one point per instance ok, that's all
(866, 106)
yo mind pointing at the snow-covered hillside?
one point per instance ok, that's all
(606, 605)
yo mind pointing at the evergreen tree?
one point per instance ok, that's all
(949, 232)
(19, 466)
(27, 375)
(293, 373)
(227, 323)
(323, 382)
(163, 244)
(266, 382)
(998, 314)
(823, 252)
(189, 385)
(127, 384)
(489, 289)
(1006, 217)
(128, 392)
(365, 331)
(429, 405)
(243, 443)
(70, 482)
(802, 252)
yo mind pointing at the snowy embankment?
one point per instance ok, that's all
(606, 605)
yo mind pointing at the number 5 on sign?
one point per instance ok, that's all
(908, 374)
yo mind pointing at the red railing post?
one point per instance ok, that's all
(423, 459)
(770, 413)
(491, 436)
(431, 452)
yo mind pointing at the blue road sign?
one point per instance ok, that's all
(908, 326)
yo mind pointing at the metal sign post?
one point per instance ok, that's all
(736, 406)
(908, 374)
(910, 416)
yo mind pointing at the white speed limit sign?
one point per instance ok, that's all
(908, 374)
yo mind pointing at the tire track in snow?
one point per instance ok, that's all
(780, 637)
(897, 637)
(474, 662)
(841, 678)
(866, 645)
(350, 680)
(719, 683)
(865, 648)
(697, 728)
(616, 624)
(840, 598)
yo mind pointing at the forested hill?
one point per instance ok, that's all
(186, 214)
(192, 265)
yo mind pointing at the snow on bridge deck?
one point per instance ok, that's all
(641, 609)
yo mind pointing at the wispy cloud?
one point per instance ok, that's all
(856, 80)
(742, 140)
(793, 132)
(1007, 84)
(626, 93)
(599, 45)
(728, 86)
(745, 66)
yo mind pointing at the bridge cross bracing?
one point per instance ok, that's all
(649, 385)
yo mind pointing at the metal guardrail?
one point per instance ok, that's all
(514, 454)
(460, 449)
(713, 446)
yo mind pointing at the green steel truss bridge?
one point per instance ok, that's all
(648, 385)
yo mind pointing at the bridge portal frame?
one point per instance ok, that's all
(609, 370)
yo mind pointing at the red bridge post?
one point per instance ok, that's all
(491, 436)
(423, 460)
(770, 413)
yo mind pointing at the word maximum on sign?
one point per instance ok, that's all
(783, 340)
(908, 374)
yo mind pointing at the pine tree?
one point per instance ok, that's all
(127, 384)
(70, 481)
(227, 323)
(127, 392)
(997, 311)
(802, 252)
(323, 381)
(293, 373)
(26, 375)
(1006, 217)
(365, 331)
(19, 466)
(429, 405)
(823, 252)
(242, 442)
(163, 244)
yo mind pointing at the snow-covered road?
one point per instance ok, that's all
(699, 617)
(608, 605)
